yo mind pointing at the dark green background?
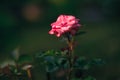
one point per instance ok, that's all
(100, 19)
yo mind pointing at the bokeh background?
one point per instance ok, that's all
(24, 24)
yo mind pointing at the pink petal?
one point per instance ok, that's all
(51, 32)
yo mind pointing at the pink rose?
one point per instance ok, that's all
(64, 24)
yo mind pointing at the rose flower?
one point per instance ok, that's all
(65, 24)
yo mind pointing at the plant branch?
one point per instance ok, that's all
(70, 58)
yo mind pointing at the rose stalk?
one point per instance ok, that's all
(66, 26)
(70, 58)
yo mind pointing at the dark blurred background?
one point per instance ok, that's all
(24, 24)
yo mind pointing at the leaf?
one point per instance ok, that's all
(40, 55)
(50, 52)
(82, 63)
(98, 62)
(49, 59)
(51, 67)
(62, 63)
(47, 53)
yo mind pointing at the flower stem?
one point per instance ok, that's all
(70, 58)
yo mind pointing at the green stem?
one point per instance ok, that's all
(70, 58)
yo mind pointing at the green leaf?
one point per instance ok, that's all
(51, 67)
(82, 63)
(49, 59)
(48, 53)
(40, 55)
(62, 63)
(52, 52)
(97, 62)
